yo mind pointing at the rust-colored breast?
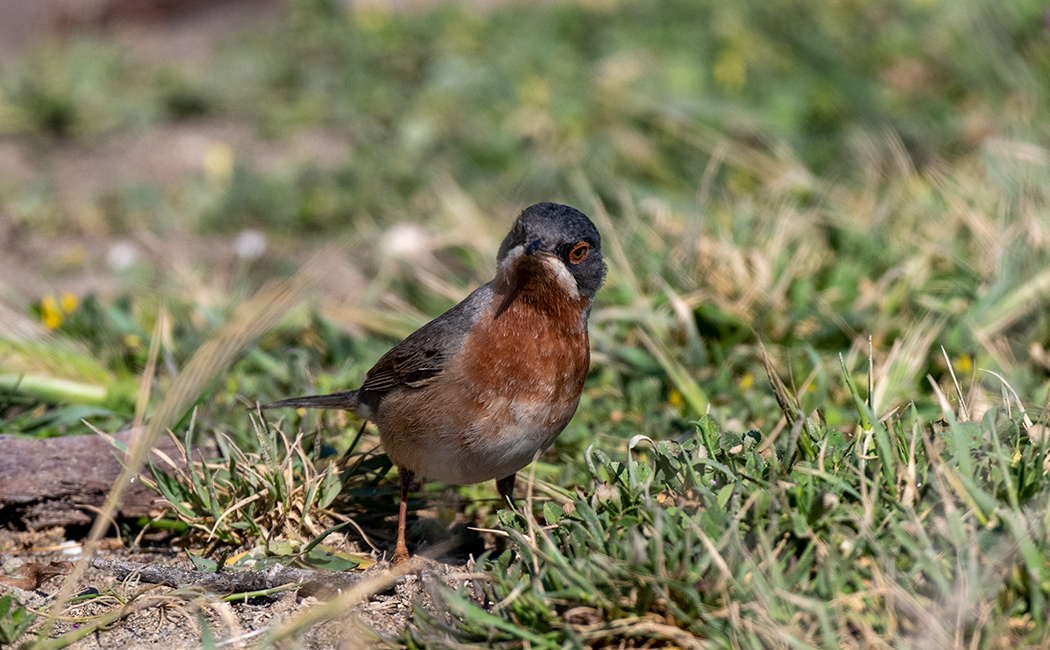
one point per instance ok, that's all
(505, 396)
(533, 349)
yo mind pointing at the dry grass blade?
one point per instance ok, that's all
(678, 374)
(146, 385)
(648, 627)
(340, 606)
(964, 413)
(252, 319)
(895, 377)
(1020, 405)
(789, 405)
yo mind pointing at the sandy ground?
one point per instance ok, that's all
(169, 618)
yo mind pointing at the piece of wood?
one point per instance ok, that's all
(47, 482)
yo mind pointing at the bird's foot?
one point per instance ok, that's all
(400, 555)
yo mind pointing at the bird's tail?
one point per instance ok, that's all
(346, 400)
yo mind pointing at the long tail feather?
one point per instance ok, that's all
(345, 400)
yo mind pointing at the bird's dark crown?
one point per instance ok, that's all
(560, 231)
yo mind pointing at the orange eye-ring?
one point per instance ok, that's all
(579, 252)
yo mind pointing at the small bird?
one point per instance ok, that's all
(475, 393)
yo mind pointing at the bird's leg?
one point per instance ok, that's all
(505, 486)
(401, 551)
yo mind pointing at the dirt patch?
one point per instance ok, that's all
(161, 617)
(168, 153)
(169, 30)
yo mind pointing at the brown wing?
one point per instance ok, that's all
(424, 355)
(406, 365)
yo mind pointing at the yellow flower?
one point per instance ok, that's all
(675, 398)
(218, 162)
(69, 303)
(963, 364)
(747, 381)
(50, 312)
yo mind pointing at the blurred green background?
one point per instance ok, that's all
(798, 173)
(861, 188)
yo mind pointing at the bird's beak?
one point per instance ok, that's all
(535, 247)
(532, 250)
(514, 270)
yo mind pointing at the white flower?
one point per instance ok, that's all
(250, 244)
(122, 255)
(405, 240)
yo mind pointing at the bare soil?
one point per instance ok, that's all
(170, 618)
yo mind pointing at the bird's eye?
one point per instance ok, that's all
(579, 252)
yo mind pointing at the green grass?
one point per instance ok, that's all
(795, 175)
(910, 534)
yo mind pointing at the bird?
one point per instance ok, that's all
(477, 392)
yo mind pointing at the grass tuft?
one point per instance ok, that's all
(910, 542)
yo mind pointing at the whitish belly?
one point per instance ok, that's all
(500, 443)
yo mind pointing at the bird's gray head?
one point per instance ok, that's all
(562, 236)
